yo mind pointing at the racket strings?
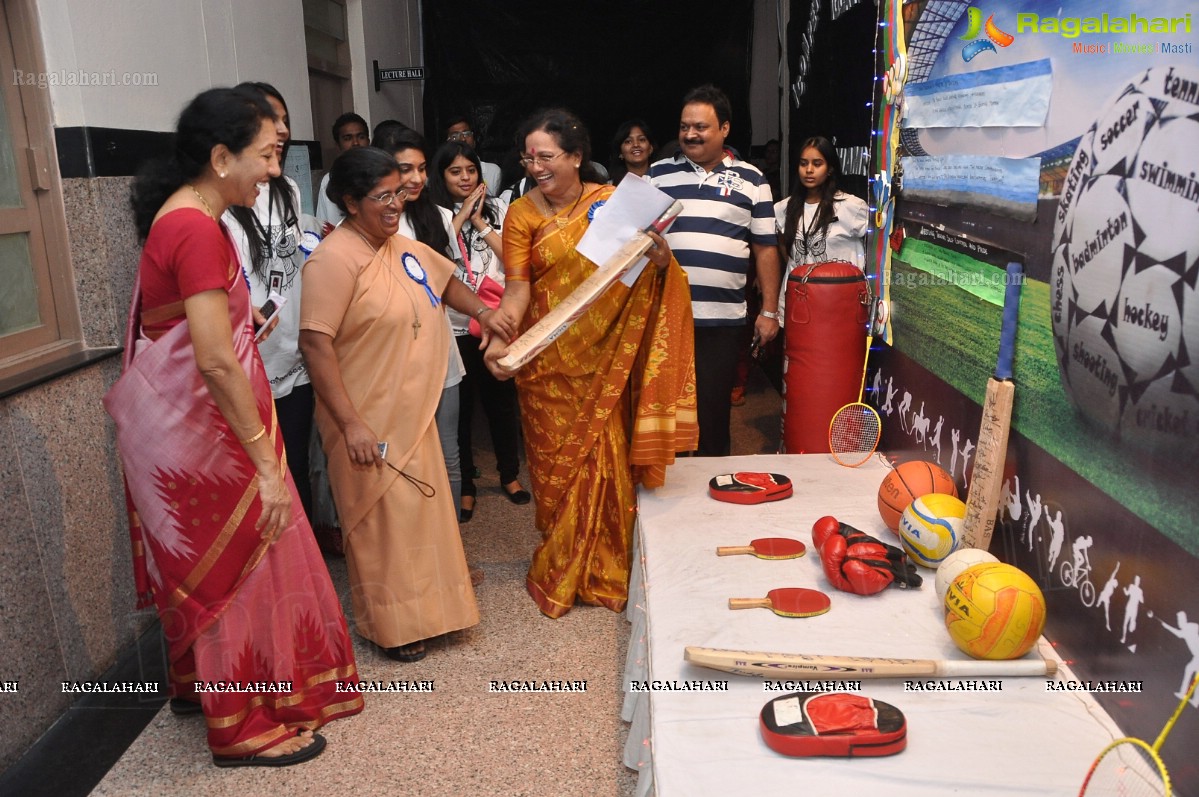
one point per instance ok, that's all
(1127, 768)
(853, 433)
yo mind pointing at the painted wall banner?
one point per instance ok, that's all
(1124, 286)
(1110, 595)
(940, 235)
(1010, 96)
(1007, 186)
(1101, 499)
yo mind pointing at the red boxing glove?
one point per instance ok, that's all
(856, 562)
(824, 528)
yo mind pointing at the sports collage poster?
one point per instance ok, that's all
(1061, 135)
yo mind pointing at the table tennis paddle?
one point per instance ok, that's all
(766, 548)
(787, 602)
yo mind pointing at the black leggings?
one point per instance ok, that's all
(295, 423)
(499, 405)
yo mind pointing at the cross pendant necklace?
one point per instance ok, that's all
(415, 312)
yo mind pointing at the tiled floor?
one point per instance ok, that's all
(460, 739)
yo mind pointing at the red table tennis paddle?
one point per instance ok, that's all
(767, 548)
(787, 602)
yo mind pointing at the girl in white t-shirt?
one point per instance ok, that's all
(477, 223)
(817, 222)
(272, 246)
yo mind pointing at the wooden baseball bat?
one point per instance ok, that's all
(986, 482)
(566, 312)
(853, 668)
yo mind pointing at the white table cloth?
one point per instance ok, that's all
(1021, 740)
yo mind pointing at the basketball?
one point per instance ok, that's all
(908, 482)
(931, 528)
(955, 563)
(994, 611)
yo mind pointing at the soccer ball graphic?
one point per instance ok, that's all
(1125, 264)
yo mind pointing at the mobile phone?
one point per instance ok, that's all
(382, 449)
(274, 304)
(755, 349)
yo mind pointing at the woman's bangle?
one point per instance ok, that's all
(256, 437)
(479, 313)
(488, 230)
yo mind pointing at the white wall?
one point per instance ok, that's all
(387, 31)
(183, 46)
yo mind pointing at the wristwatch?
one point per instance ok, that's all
(770, 315)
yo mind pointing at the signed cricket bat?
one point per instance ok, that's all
(852, 668)
(566, 312)
(986, 483)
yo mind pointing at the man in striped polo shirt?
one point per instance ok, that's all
(728, 215)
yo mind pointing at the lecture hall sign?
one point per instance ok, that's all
(397, 74)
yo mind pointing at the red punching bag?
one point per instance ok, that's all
(828, 307)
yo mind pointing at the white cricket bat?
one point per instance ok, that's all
(852, 668)
(986, 481)
(566, 312)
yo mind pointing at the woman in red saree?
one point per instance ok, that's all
(220, 542)
(611, 400)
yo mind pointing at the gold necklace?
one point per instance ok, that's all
(203, 201)
(556, 215)
(416, 324)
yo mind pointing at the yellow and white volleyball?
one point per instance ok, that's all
(955, 563)
(994, 611)
(931, 528)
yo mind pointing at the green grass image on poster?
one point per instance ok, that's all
(946, 313)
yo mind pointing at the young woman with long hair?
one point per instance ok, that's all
(454, 184)
(632, 147)
(272, 250)
(818, 222)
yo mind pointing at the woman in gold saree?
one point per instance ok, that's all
(611, 400)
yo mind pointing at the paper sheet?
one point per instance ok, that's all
(633, 206)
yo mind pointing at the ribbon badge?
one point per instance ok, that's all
(595, 206)
(416, 272)
(728, 182)
(308, 242)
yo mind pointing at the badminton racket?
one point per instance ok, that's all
(854, 429)
(1132, 766)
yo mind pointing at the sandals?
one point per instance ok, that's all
(299, 756)
(413, 651)
(518, 496)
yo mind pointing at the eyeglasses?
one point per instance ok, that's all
(389, 198)
(540, 160)
(461, 135)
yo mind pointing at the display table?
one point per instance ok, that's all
(1019, 740)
